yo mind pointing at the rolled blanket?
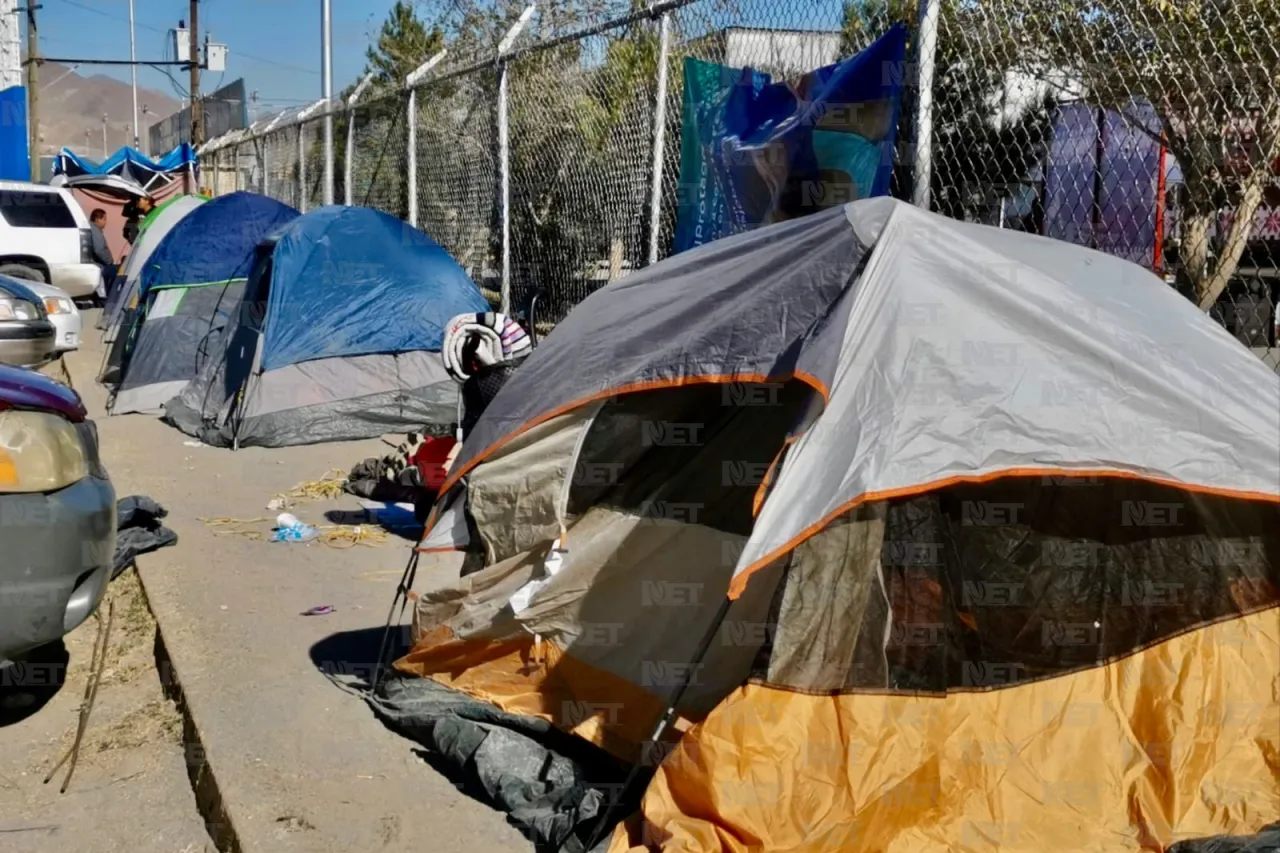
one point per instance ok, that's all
(473, 341)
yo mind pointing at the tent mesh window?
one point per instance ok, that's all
(695, 453)
(981, 586)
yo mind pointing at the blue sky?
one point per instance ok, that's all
(273, 44)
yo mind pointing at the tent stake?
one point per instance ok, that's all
(664, 723)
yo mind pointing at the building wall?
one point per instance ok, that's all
(781, 53)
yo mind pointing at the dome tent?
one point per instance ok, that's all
(151, 232)
(875, 499)
(337, 337)
(186, 289)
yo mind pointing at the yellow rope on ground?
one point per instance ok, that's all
(341, 536)
(345, 536)
(236, 526)
(327, 487)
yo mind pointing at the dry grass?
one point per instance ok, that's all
(130, 660)
(155, 722)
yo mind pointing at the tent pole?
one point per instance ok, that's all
(668, 716)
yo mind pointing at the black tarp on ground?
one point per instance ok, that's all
(553, 787)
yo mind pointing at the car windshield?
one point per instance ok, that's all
(35, 209)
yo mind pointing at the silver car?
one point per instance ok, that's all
(26, 335)
(63, 314)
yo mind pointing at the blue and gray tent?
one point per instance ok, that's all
(337, 337)
(187, 292)
(154, 229)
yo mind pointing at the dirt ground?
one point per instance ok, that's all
(129, 791)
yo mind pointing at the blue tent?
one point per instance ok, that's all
(215, 242)
(338, 336)
(186, 293)
(127, 161)
(356, 281)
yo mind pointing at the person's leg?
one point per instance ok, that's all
(108, 279)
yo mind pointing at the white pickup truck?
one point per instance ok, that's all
(44, 236)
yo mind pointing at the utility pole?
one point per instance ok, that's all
(104, 136)
(197, 120)
(326, 66)
(33, 90)
(133, 57)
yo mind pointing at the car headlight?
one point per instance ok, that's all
(18, 309)
(58, 305)
(39, 452)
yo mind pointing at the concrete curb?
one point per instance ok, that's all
(204, 783)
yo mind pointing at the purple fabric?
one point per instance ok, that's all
(1130, 171)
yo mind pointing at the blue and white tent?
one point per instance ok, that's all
(128, 163)
(187, 292)
(337, 337)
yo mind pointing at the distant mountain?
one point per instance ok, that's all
(71, 104)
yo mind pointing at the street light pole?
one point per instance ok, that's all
(326, 68)
(104, 136)
(133, 57)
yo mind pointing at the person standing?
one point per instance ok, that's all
(102, 252)
(134, 212)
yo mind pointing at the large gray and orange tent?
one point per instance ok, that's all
(937, 537)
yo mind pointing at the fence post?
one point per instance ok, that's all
(659, 137)
(927, 45)
(302, 168)
(504, 153)
(411, 117)
(504, 187)
(350, 155)
(302, 150)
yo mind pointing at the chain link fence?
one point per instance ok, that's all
(1145, 128)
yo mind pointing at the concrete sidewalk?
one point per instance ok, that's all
(293, 763)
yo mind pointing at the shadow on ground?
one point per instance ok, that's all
(28, 685)
(355, 654)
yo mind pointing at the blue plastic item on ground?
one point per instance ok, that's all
(290, 529)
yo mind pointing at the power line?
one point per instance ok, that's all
(249, 56)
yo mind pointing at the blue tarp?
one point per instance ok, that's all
(71, 164)
(354, 281)
(756, 152)
(15, 162)
(215, 242)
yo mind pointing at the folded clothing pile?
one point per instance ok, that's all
(138, 530)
